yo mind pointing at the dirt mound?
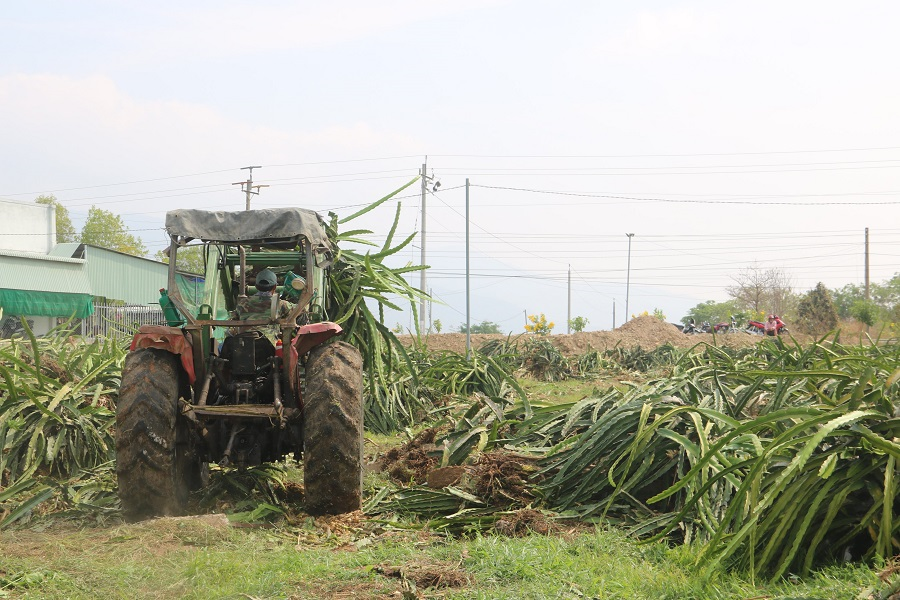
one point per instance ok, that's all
(644, 331)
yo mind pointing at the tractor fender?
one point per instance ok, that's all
(310, 336)
(170, 339)
(307, 338)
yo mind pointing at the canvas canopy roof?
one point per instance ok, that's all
(270, 225)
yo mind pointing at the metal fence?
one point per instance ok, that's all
(120, 321)
(13, 325)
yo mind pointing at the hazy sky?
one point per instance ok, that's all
(720, 134)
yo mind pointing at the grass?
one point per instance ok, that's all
(353, 556)
(286, 554)
(560, 392)
(204, 557)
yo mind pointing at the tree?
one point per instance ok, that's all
(107, 230)
(864, 311)
(884, 303)
(65, 231)
(483, 327)
(887, 294)
(714, 312)
(816, 313)
(189, 258)
(438, 325)
(844, 298)
(761, 291)
(659, 314)
(578, 323)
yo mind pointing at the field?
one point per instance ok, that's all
(735, 470)
(353, 557)
(646, 332)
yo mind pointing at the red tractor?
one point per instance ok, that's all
(242, 375)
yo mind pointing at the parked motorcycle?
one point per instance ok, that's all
(773, 326)
(724, 327)
(12, 326)
(692, 328)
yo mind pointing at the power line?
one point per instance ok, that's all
(170, 177)
(576, 170)
(761, 153)
(488, 232)
(121, 183)
(352, 160)
(677, 201)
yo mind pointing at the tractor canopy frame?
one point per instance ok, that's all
(280, 233)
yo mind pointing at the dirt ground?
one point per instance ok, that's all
(644, 331)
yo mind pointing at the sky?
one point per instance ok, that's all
(722, 136)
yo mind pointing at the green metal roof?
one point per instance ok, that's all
(118, 276)
(42, 273)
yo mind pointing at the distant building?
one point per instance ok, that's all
(47, 282)
(118, 278)
(27, 227)
(32, 284)
(42, 289)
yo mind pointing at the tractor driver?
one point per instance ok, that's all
(259, 305)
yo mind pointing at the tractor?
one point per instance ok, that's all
(220, 383)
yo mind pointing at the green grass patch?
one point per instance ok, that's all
(561, 392)
(205, 557)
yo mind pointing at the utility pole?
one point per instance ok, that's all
(422, 278)
(569, 311)
(867, 264)
(423, 283)
(468, 305)
(614, 313)
(248, 187)
(628, 276)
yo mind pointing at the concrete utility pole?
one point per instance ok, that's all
(628, 277)
(569, 311)
(867, 264)
(468, 304)
(422, 278)
(247, 186)
(430, 308)
(423, 282)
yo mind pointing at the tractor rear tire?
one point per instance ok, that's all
(333, 430)
(154, 466)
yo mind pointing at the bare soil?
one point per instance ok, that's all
(645, 331)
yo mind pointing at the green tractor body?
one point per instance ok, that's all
(240, 375)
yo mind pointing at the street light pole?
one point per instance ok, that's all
(628, 277)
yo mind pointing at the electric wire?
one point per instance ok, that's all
(680, 201)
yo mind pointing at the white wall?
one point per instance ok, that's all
(27, 227)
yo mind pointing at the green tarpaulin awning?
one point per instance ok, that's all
(45, 304)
